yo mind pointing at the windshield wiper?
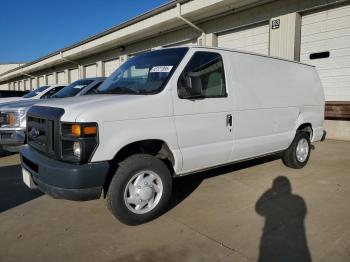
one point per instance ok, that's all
(147, 92)
(119, 90)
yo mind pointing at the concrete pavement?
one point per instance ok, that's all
(244, 212)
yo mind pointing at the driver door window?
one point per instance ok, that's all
(203, 77)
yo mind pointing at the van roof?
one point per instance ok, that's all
(241, 51)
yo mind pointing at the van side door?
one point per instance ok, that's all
(203, 111)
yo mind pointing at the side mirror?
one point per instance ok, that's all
(192, 87)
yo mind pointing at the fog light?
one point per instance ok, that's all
(77, 149)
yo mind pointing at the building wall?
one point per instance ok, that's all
(4, 68)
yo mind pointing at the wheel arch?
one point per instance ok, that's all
(155, 147)
(304, 123)
(306, 127)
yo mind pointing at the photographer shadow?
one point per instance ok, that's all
(283, 237)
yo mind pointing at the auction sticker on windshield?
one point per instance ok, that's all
(79, 86)
(161, 69)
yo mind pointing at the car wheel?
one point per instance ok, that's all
(140, 189)
(298, 153)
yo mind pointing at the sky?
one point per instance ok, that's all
(31, 29)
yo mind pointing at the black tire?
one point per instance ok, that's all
(289, 156)
(125, 172)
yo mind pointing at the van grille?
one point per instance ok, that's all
(43, 129)
(38, 133)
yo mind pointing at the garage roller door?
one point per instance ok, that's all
(73, 75)
(50, 79)
(20, 85)
(26, 84)
(110, 66)
(252, 39)
(33, 83)
(325, 43)
(90, 70)
(42, 81)
(60, 77)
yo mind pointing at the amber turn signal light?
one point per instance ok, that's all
(79, 130)
(12, 119)
(90, 130)
(76, 130)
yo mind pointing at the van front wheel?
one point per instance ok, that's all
(298, 153)
(140, 190)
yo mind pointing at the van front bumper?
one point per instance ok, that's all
(64, 180)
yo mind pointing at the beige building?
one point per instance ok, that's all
(316, 32)
(7, 67)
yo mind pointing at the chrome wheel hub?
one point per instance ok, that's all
(146, 193)
(143, 192)
(302, 150)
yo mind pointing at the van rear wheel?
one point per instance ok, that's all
(140, 189)
(298, 153)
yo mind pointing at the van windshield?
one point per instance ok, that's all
(73, 89)
(144, 74)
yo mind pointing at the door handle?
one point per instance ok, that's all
(229, 120)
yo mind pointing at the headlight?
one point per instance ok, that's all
(78, 141)
(77, 149)
(12, 119)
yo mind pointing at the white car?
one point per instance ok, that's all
(13, 126)
(40, 93)
(169, 113)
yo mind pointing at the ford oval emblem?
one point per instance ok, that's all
(34, 133)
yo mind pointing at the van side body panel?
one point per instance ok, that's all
(274, 98)
(270, 98)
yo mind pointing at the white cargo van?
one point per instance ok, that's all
(168, 113)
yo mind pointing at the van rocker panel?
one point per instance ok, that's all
(65, 180)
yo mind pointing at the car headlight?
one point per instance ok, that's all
(13, 119)
(78, 141)
(77, 149)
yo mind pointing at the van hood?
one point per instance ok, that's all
(81, 103)
(102, 107)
